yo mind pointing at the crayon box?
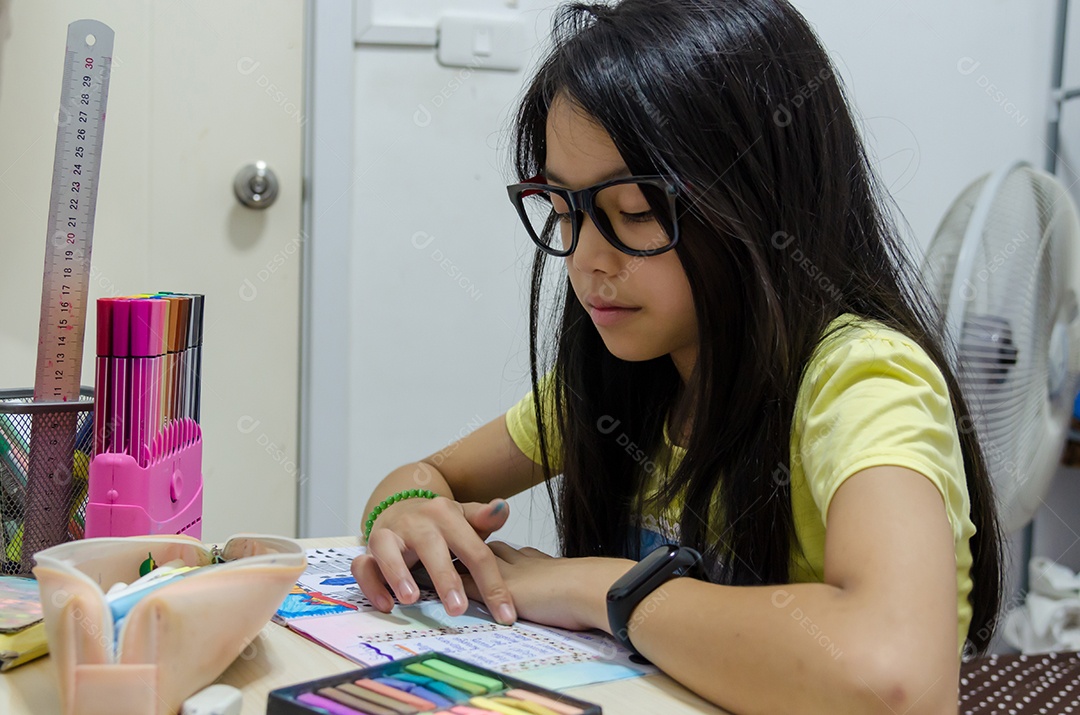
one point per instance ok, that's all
(428, 683)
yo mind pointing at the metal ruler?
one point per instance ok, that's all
(76, 167)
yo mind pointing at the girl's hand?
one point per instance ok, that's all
(428, 530)
(562, 592)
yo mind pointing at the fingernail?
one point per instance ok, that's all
(499, 506)
(505, 614)
(384, 603)
(405, 589)
(455, 600)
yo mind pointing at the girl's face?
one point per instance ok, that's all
(642, 306)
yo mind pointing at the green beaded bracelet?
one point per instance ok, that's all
(392, 499)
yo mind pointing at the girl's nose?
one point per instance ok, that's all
(593, 252)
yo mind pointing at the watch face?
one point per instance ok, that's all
(651, 564)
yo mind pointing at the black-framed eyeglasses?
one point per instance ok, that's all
(636, 214)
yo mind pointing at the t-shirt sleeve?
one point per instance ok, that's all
(876, 399)
(521, 423)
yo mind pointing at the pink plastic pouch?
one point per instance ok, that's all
(176, 639)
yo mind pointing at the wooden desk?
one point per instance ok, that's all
(279, 657)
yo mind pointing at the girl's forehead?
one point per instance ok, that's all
(579, 152)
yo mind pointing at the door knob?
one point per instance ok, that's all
(256, 185)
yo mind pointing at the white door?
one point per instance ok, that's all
(198, 90)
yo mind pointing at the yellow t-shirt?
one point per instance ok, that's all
(869, 397)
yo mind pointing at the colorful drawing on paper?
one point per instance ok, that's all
(301, 603)
(328, 587)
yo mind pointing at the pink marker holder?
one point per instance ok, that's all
(164, 497)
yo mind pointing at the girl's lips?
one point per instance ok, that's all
(610, 315)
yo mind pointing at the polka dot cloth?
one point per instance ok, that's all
(1038, 683)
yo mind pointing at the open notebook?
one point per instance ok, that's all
(327, 606)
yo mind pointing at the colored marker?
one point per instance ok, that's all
(118, 378)
(156, 420)
(176, 342)
(183, 380)
(195, 341)
(142, 350)
(101, 385)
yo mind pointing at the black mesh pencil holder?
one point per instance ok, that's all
(45, 450)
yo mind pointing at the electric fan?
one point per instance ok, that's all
(1004, 270)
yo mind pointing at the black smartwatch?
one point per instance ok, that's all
(665, 563)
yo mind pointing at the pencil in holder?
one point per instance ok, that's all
(45, 450)
(163, 497)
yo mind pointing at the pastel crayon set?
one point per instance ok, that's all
(429, 683)
(145, 476)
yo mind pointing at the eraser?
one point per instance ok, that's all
(215, 700)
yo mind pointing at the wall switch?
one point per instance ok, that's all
(484, 42)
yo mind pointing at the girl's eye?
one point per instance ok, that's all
(562, 218)
(639, 217)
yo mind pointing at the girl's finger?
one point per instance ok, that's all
(370, 581)
(386, 547)
(434, 554)
(483, 566)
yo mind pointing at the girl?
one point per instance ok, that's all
(745, 363)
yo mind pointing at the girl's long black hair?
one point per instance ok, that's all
(783, 229)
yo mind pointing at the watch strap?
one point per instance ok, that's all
(685, 562)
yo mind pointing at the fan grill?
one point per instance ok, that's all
(1020, 284)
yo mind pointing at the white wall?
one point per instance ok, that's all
(430, 362)
(933, 127)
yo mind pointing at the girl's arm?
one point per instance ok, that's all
(471, 472)
(878, 636)
(483, 465)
